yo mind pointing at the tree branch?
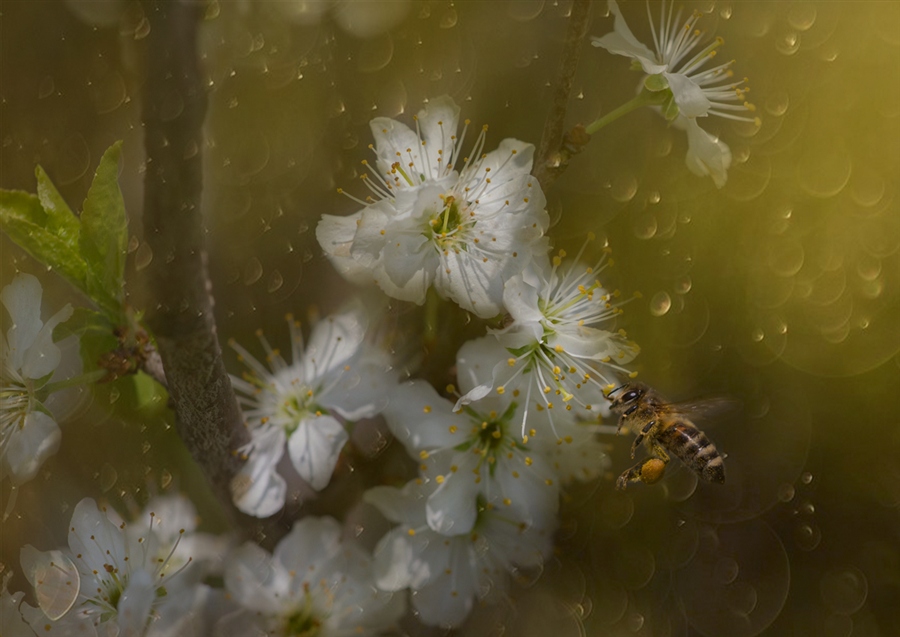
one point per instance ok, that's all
(556, 149)
(180, 313)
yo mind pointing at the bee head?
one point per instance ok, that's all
(630, 393)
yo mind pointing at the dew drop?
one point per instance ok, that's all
(253, 270)
(757, 335)
(725, 571)
(788, 44)
(660, 303)
(142, 256)
(786, 492)
(145, 447)
(108, 477)
(844, 590)
(623, 188)
(275, 281)
(634, 622)
(682, 284)
(645, 225)
(165, 479)
(449, 18)
(114, 394)
(802, 15)
(807, 536)
(46, 88)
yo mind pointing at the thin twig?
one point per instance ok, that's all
(555, 149)
(180, 313)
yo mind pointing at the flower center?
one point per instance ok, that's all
(302, 624)
(445, 224)
(297, 407)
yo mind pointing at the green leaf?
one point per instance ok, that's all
(104, 231)
(26, 222)
(81, 322)
(61, 221)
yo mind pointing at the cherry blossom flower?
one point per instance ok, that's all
(697, 90)
(11, 622)
(28, 358)
(297, 405)
(553, 354)
(313, 584)
(446, 574)
(475, 452)
(465, 232)
(117, 583)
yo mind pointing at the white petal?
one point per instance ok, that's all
(452, 509)
(135, 604)
(691, 100)
(335, 236)
(594, 344)
(314, 449)
(448, 597)
(28, 447)
(707, 155)
(96, 539)
(421, 419)
(333, 342)
(22, 299)
(362, 391)
(621, 41)
(258, 489)
(481, 362)
(255, 581)
(396, 566)
(43, 356)
(406, 505)
(521, 301)
(311, 542)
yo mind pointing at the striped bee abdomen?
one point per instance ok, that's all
(694, 449)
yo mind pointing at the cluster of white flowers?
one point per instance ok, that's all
(491, 461)
(145, 579)
(28, 359)
(697, 90)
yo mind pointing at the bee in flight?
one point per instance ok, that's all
(666, 427)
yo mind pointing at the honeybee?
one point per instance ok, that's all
(663, 426)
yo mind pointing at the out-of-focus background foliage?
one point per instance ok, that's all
(781, 289)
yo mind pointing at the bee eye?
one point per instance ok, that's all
(631, 395)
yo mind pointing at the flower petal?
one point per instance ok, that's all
(258, 489)
(421, 419)
(335, 236)
(691, 100)
(333, 342)
(621, 41)
(135, 604)
(22, 299)
(28, 447)
(311, 542)
(314, 449)
(706, 155)
(43, 356)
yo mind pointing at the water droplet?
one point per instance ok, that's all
(525, 10)
(788, 44)
(375, 53)
(786, 492)
(46, 88)
(275, 281)
(757, 335)
(725, 12)
(73, 160)
(142, 256)
(616, 511)
(165, 479)
(868, 267)
(807, 508)
(844, 590)
(741, 598)
(645, 225)
(807, 536)
(777, 103)
(449, 18)
(253, 270)
(114, 394)
(108, 477)
(785, 257)
(682, 284)
(623, 187)
(143, 29)
(56, 580)
(660, 303)
(725, 571)
(802, 15)
(634, 622)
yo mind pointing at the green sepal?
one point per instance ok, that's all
(656, 83)
(60, 218)
(104, 234)
(26, 222)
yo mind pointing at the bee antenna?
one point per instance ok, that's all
(616, 389)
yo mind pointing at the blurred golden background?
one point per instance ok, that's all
(781, 289)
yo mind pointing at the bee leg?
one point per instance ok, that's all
(632, 475)
(648, 471)
(634, 445)
(620, 424)
(657, 450)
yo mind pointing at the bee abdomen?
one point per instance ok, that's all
(694, 449)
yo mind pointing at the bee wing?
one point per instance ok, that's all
(707, 408)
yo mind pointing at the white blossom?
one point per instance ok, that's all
(698, 90)
(120, 583)
(465, 232)
(28, 358)
(475, 452)
(313, 584)
(553, 354)
(298, 405)
(447, 574)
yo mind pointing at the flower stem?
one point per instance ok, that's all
(644, 98)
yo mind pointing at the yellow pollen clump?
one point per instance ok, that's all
(507, 501)
(557, 370)
(427, 409)
(559, 350)
(501, 390)
(411, 532)
(439, 479)
(528, 461)
(549, 482)
(452, 429)
(515, 474)
(424, 454)
(633, 375)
